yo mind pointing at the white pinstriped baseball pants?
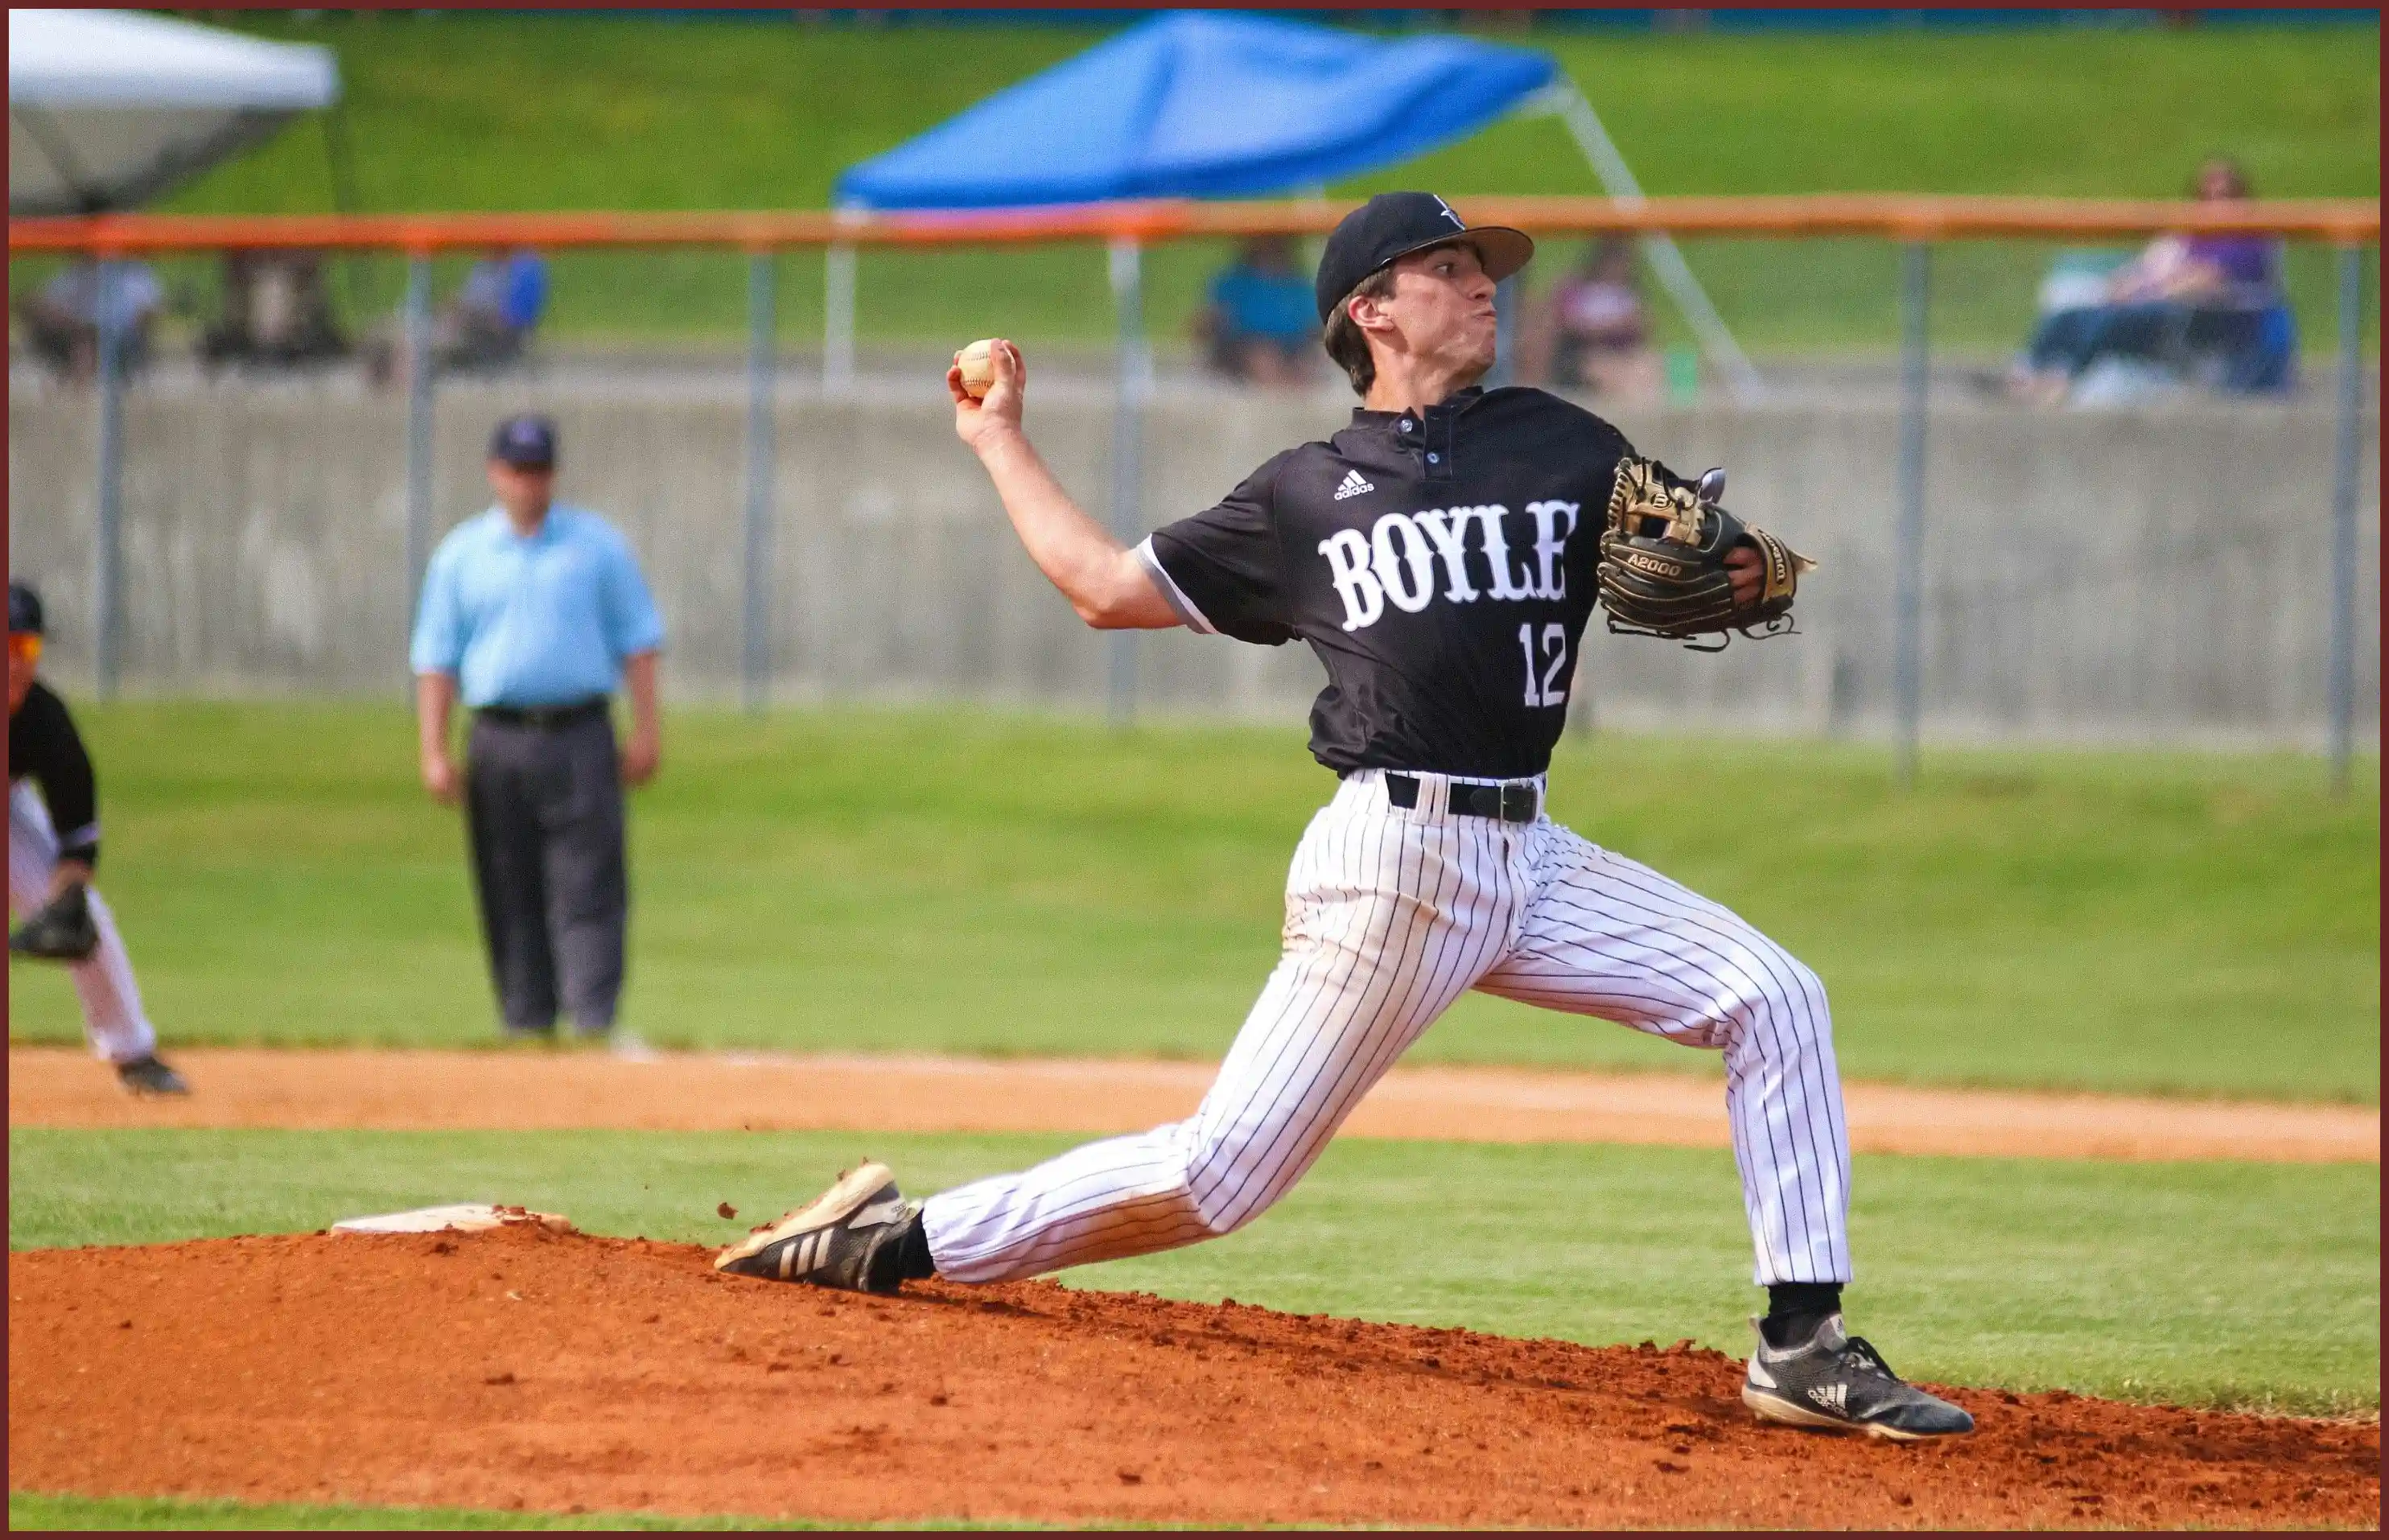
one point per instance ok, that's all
(1391, 914)
(113, 1018)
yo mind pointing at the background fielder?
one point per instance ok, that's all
(1439, 555)
(53, 853)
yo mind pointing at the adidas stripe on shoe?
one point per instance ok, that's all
(847, 1238)
(1837, 1380)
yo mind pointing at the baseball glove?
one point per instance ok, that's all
(60, 930)
(1663, 569)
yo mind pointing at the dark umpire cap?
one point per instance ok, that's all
(1392, 225)
(24, 609)
(526, 442)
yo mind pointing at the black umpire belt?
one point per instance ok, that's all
(547, 717)
(1512, 801)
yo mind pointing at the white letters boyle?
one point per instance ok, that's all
(1397, 560)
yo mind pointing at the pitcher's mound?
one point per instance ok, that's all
(521, 1367)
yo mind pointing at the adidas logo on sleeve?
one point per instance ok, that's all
(1352, 486)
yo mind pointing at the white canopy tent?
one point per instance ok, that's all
(110, 109)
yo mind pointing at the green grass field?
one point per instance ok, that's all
(973, 882)
(458, 111)
(2110, 1280)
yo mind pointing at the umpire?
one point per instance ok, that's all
(535, 613)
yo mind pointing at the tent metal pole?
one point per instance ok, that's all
(1908, 581)
(341, 167)
(108, 577)
(838, 320)
(839, 279)
(2346, 461)
(755, 638)
(1132, 375)
(1665, 258)
(419, 367)
(338, 163)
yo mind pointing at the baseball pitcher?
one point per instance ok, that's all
(1441, 557)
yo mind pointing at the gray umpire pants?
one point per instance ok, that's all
(543, 813)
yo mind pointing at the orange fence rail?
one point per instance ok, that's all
(2340, 221)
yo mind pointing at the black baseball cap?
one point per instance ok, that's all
(526, 442)
(24, 609)
(1392, 225)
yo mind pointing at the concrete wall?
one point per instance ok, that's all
(2155, 576)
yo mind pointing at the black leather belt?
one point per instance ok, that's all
(1512, 801)
(546, 717)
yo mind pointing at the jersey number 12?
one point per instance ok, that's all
(1546, 690)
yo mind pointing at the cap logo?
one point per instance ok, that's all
(1456, 222)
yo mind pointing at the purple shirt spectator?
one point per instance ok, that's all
(2249, 263)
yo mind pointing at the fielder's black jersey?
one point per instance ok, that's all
(45, 747)
(1440, 563)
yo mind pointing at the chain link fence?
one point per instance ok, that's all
(2161, 560)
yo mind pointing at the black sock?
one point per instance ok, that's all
(915, 1260)
(900, 1257)
(1795, 1310)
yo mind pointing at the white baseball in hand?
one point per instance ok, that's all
(977, 365)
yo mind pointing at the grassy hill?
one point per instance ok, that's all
(467, 111)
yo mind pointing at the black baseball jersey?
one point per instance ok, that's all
(1440, 563)
(45, 747)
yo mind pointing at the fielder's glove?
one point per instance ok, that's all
(1663, 569)
(60, 930)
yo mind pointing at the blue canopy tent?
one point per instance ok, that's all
(1204, 104)
(1219, 104)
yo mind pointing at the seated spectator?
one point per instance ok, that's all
(1261, 323)
(488, 325)
(1590, 333)
(61, 319)
(2197, 305)
(277, 309)
(494, 314)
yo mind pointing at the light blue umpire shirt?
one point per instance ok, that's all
(542, 621)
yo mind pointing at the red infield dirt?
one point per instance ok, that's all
(521, 1368)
